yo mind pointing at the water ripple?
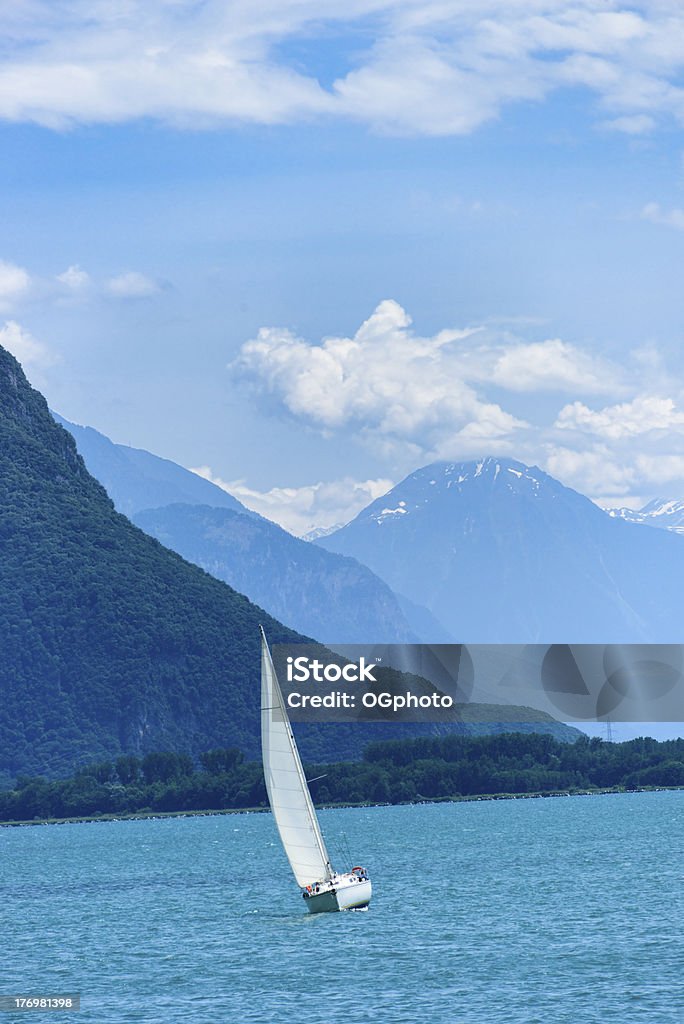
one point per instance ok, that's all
(521, 912)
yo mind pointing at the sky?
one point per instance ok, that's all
(306, 248)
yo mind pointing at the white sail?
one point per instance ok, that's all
(286, 785)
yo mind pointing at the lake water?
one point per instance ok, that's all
(549, 911)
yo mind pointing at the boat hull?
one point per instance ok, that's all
(343, 896)
(355, 896)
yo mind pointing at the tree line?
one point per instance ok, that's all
(394, 771)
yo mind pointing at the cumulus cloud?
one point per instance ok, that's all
(30, 352)
(426, 396)
(300, 509)
(628, 419)
(555, 365)
(595, 472)
(427, 67)
(622, 451)
(415, 399)
(386, 382)
(132, 285)
(14, 283)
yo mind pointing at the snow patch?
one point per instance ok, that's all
(667, 509)
(394, 511)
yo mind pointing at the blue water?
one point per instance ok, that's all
(535, 911)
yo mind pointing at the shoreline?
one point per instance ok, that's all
(473, 798)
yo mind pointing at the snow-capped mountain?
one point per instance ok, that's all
(501, 552)
(320, 531)
(663, 513)
(459, 478)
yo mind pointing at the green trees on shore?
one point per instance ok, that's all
(391, 772)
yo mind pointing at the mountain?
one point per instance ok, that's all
(668, 514)
(663, 513)
(321, 531)
(318, 593)
(111, 643)
(135, 479)
(500, 552)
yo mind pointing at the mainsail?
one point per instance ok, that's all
(286, 785)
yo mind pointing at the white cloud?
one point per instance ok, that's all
(14, 283)
(28, 350)
(416, 399)
(628, 419)
(429, 66)
(300, 509)
(416, 85)
(617, 474)
(673, 218)
(72, 284)
(661, 469)
(74, 278)
(425, 397)
(621, 451)
(555, 365)
(386, 382)
(132, 285)
(593, 472)
(105, 62)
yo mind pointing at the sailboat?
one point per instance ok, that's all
(322, 887)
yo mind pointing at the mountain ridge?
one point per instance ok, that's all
(317, 592)
(659, 513)
(136, 479)
(314, 591)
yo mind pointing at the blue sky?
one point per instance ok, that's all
(201, 204)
